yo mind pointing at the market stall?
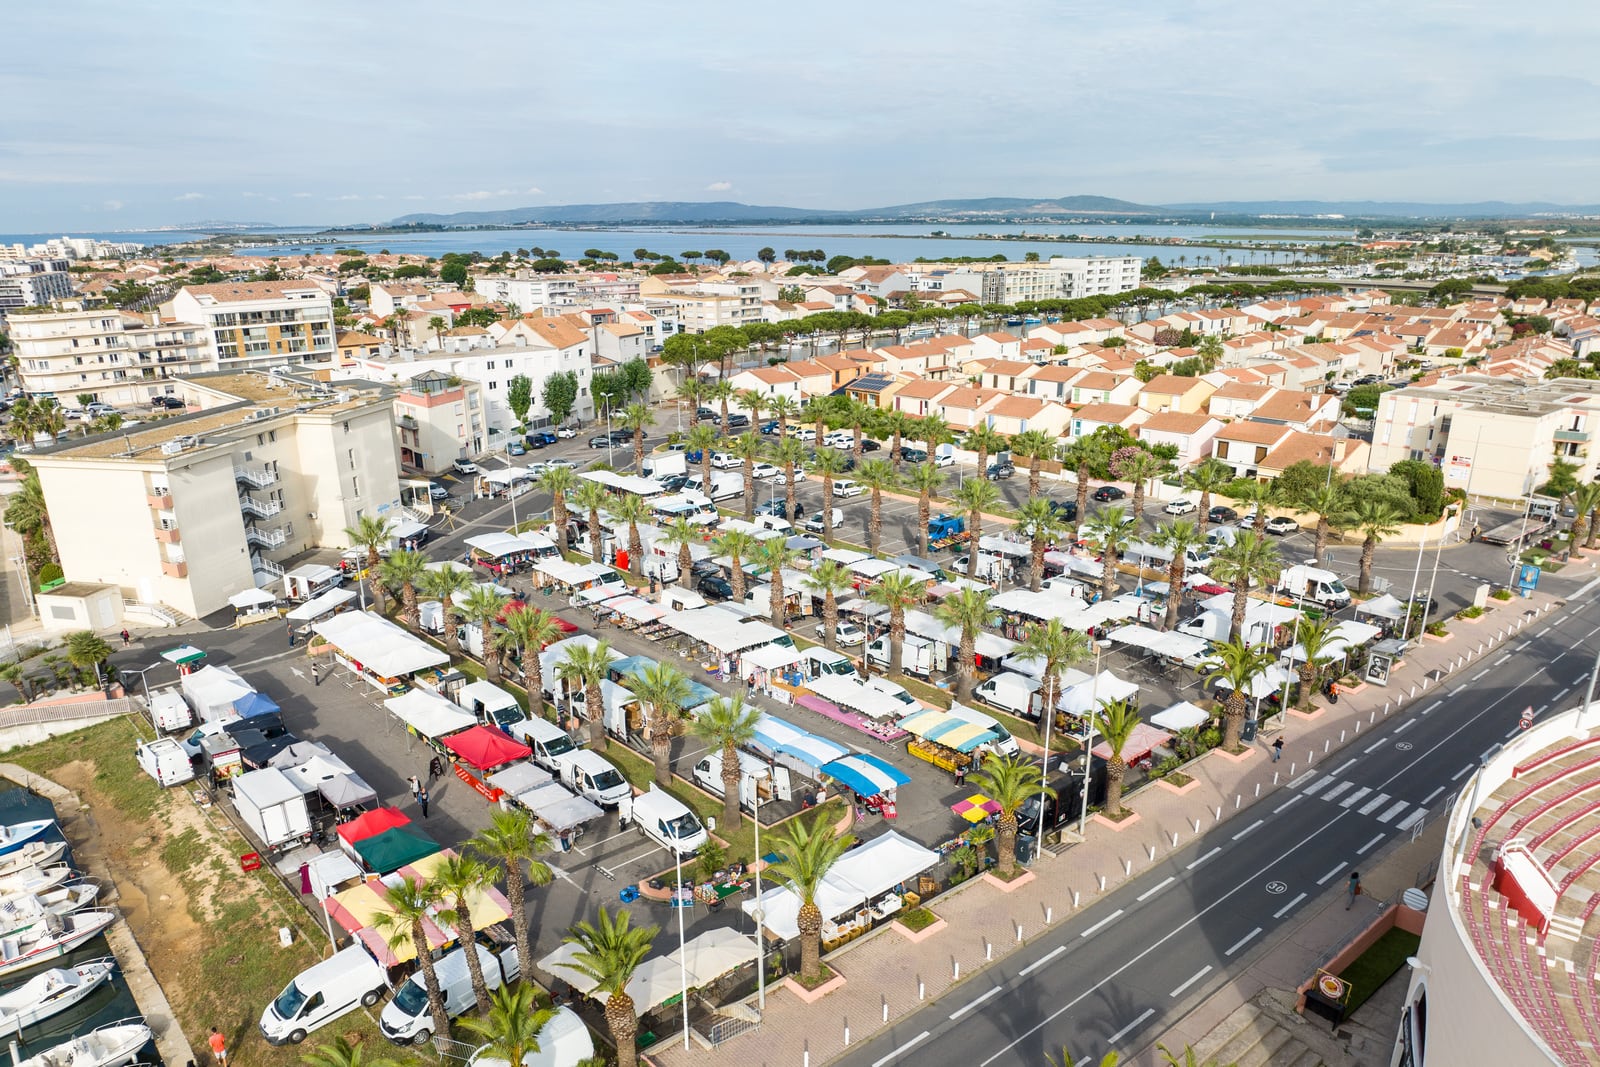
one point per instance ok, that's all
(247, 600)
(1346, 637)
(329, 603)
(558, 809)
(1101, 689)
(1144, 740)
(787, 744)
(499, 553)
(429, 716)
(369, 824)
(358, 909)
(215, 692)
(865, 886)
(185, 657)
(378, 650)
(868, 776)
(483, 749)
(389, 851)
(517, 779)
(945, 741)
(310, 580)
(1181, 716)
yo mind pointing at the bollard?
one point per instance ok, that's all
(1274, 777)
(1374, 716)
(885, 1009)
(1311, 754)
(1237, 800)
(1341, 736)
(1258, 789)
(806, 1055)
(1048, 914)
(1327, 746)
(1174, 839)
(847, 1033)
(921, 990)
(955, 970)
(1217, 814)
(1152, 850)
(1292, 766)
(988, 950)
(1385, 708)
(1413, 692)
(1127, 868)
(1019, 933)
(1196, 823)
(1074, 898)
(1358, 727)
(1102, 882)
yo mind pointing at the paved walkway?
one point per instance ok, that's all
(886, 969)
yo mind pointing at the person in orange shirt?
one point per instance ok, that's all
(219, 1048)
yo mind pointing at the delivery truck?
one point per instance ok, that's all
(756, 778)
(918, 655)
(662, 465)
(1318, 586)
(165, 760)
(1015, 693)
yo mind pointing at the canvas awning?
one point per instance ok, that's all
(866, 774)
(1143, 741)
(1181, 716)
(1078, 699)
(347, 791)
(318, 606)
(396, 848)
(1261, 685)
(183, 655)
(245, 599)
(428, 713)
(558, 809)
(484, 747)
(1349, 634)
(520, 778)
(370, 824)
(496, 545)
(859, 876)
(772, 657)
(1387, 606)
(378, 645)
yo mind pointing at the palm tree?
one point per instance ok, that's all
(830, 578)
(975, 497)
(1377, 520)
(527, 631)
(1585, 501)
(748, 447)
(1332, 509)
(682, 533)
(775, 554)
(788, 454)
(87, 650)
(721, 391)
(927, 480)
(817, 412)
(592, 498)
(454, 880)
(932, 431)
(783, 408)
(1177, 536)
(1316, 639)
(1248, 493)
(1059, 648)
(512, 839)
(753, 402)
(877, 475)
(729, 724)
(1237, 664)
(894, 424)
(341, 1053)
(1009, 781)
(897, 591)
(405, 569)
(827, 462)
(662, 689)
(372, 534)
(809, 849)
(1208, 476)
(1141, 469)
(609, 951)
(437, 325)
(558, 482)
(1251, 560)
(404, 918)
(632, 509)
(484, 606)
(637, 417)
(692, 391)
(966, 610)
(1108, 533)
(1116, 720)
(443, 584)
(1083, 455)
(701, 440)
(1035, 446)
(739, 546)
(586, 666)
(26, 509)
(1037, 521)
(512, 1028)
(854, 415)
(982, 439)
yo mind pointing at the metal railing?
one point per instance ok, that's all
(266, 566)
(260, 477)
(166, 615)
(272, 538)
(261, 509)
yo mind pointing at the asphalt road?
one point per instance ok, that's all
(1138, 960)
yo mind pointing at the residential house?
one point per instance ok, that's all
(774, 381)
(1100, 387)
(1190, 433)
(1306, 412)
(1347, 455)
(1018, 414)
(968, 406)
(1091, 417)
(1243, 445)
(1006, 375)
(1237, 400)
(1169, 392)
(440, 419)
(875, 390)
(922, 397)
(998, 345)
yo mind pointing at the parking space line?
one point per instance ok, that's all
(1201, 973)
(1279, 809)
(1281, 912)
(1107, 921)
(1153, 890)
(1243, 941)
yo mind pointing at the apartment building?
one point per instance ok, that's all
(29, 283)
(119, 358)
(212, 504)
(259, 324)
(440, 420)
(71, 248)
(1082, 276)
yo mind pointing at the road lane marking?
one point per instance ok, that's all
(1153, 890)
(1374, 804)
(1411, 820)
(1354, 798)
(907, 1047)
(1399, 806)
(1042, 960)
(1107, 921)
(1342, 768)
(1243, 941)
(1542, 632)
(1429, 798)
(1377, 745)
(1279, 809)
(1561, 655)
(1456, 777)
(1201, 973)
(1315, 787)
(1202, 859)
(1306, 776)
(959, 1012)
(1364, 849)
(1130, 1028)
(1501, 660)
(1336, 790)
(1247, 829)
(1479, 675)
(1325, 879)
(1430, 707)
(1403, 727)
(1281, 912)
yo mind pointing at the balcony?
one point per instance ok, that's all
(158, 500)
(1572, 436)
(261, 509)
(272, 538)
(259, 477)
(174, 568)
(168, 535)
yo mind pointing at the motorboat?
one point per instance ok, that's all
(111, 1045)
(25, 910)
(52, 992)
(50, 939)
(33, 854)
(19, 834)
(34, 879)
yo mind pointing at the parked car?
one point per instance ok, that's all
(913, 455)
(1066, 511)
(171, 403)
(462, 466)
(714, 587)
(543, 438)
(777, 506)
(516, 448)
(1107, 493)
(1282, 526)
(674, 483)
(998, 471)
(1221, 513)
(602, 441)
(846, 488)
(869, 445)
(1181, 506)
(946, 460)
(707, 415)
(737, 421)
(848, 633)
(621, 436)
(769, 427)
(559, 462)
(726, 461)
(764, 470)
(566, 432)
(438, 492)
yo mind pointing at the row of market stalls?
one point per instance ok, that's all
(867, 885)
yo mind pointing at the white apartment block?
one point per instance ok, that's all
(1490, 436)
(1097, 275)
(441, 420)
(207, 506)
(30, 283)
(259, 324)
(532, 290)
(71, 248)
(117, 357)
(1061, 278)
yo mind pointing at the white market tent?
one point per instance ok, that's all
(558, 809)
(520, 778)
(1076, 565)
(636, 608)
(1387, 606)
(1171, 644)
(1004, 546)
(1181, 716)
(497, 545)
(570, 573)
(554, 654)
(378, 645)
(213, 690)
(1262, 685)
(321, 605)
(859, 876)
(853, 696)
(1348, 635)
(873, 568)
(988, 645)
(428, 713)
(1080, 698)
(771, 657)
(846, 556)
(781, 905)
(702, 961)
(245, 599)
(597, 594)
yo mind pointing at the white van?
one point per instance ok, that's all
(1006, 745)
(663, 818)
(169, 711)
(590, 776)
(771, 783)
(406, 1018)
(1011, 692)
(817, 660)
(772, 522)
(322, 993)
(564, 1041)
(549, 742)
(846, 488)
(165, 760)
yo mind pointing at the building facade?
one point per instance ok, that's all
(29, 283)
(116, 357)
(260, 324)
(440, 420)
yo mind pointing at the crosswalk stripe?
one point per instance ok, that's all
(1400, 805)
(1355, 798)
(1375, 803)
(1336, 790)
(1313, 788)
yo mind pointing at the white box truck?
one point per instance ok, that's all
(166, 761)
(1318, 586)
(659, 465)
(1012, 692)
(322, 993)
(918, 655)
(724, 486)
(755, 778)
(272, 806)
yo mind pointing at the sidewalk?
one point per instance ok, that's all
(885, 968)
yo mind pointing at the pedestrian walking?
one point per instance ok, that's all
(1277, 750)
(1474, 531)
(219, 1048)
(126, 638)
(291, 635)
(414, 785)
(1353, 890)
(435, 770)
(316, 674)
(422, 799)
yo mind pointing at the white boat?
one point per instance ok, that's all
(25, 910)
(111, 1045)
(33, 854)
(34, 879)
(18, 834)
(54, 937)
(52, 992)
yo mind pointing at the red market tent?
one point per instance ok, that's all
(485, 747)
(1144, 740)
(370, 824)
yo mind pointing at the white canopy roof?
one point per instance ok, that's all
(378, 645)
(1004, 546)
(428, 713)
(570, 573)
(873, 568)
(1181, 716)
(321, 605)
(313, 572)
(1262, 685)
(1078, 699)
(266, 788)
(488, 694)
(597, 594)
(846, 556)
(771, 657)
(722, 630)
(854, 696)
(251, 598)
(556, 652)
(1347, 635)
(859, 876)
(636, 608)
(496, 545)
(1387, 606)
(986, 644)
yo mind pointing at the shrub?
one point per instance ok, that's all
(1211, 738)
(50, 572)
(1436, 628)
(1501, 594)
(1471, 612)
(915, 919)
(1165, 767)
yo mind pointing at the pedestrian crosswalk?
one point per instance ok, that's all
(1381, 806)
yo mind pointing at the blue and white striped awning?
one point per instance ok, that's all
(866, 774)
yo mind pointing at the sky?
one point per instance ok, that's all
(122, 116)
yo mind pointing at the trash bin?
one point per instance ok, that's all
(1026, 848)
(1248, 735)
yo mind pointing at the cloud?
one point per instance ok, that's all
(533, 190)
(485, 194)
(113, 205)
(346, 196)
(303, 196)
(190, 196)
(719, 187)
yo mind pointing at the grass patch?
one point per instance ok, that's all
(1179, 779)
(1378, 964)
(184, 852)
(1016, 872)
(812, 984)
(916, 919)
(109, 746)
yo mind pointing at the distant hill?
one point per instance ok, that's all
(1486, 209)
(1010, 207)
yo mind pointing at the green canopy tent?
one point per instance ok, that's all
(387, 852)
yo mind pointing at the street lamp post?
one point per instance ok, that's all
(1088, 739)
(683, 966)
(760, 913)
